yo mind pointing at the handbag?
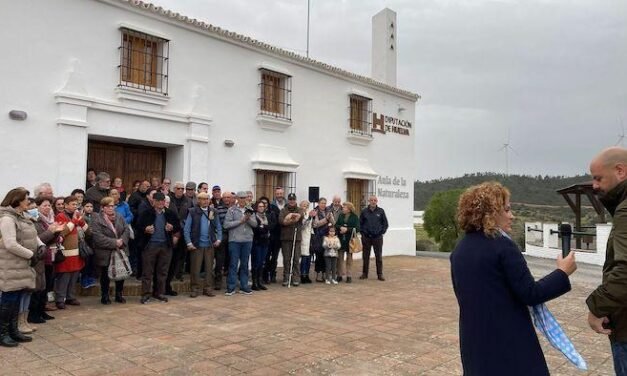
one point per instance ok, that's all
(84, 250)
(58, 256)
(119, 266)
(354, 245)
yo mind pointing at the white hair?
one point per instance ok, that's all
(39, 188)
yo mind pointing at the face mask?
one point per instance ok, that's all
(33, 213)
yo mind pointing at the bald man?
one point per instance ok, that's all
(608, 303)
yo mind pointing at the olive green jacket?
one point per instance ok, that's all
(610, 298)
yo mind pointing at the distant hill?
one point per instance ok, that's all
(536, 190)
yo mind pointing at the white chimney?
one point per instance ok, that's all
(384, 46)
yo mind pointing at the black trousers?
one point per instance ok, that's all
(377, 244)
(272, 257)
(105, 281)
(176, 262)
(220, 254)
(318, 251)
(155, 263)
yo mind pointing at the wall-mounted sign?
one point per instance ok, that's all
(383, 124)
(392, 182)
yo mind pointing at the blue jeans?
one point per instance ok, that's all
(259, 255)
(9, 297)
(239, 253)
(305, 265)
(619, 353)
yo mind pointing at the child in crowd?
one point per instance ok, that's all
(331, 245)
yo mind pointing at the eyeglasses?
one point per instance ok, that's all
(189, 189)
(179, 188)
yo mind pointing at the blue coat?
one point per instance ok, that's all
(494, 287)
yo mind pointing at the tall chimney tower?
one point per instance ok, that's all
(384, 37)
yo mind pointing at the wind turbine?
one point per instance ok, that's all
(621, 137)
(507, 147)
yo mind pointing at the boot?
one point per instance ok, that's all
(14, 332)
(265, 276)
(255, 287)
(35, 310)
(119, 298)
(303, 279)
(5, 319)
(22, 325)
(104, 295)
(307, 279)
(259, 284)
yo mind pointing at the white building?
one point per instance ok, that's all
(138, 91)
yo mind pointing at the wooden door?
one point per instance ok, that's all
(130, 162)
(355, 192)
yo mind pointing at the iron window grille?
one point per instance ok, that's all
(358, 191)
(144, 61)
(267, 180)
(275, 95)
(360, 120)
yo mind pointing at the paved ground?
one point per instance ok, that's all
(404, 326)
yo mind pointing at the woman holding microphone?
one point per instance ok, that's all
(494, 288)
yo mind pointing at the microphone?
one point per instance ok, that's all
(565, 232)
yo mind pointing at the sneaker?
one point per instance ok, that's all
(284, 283)
(145, 299)
(88, 282)
(246, 292)
(327, 282)
(229, 292)
(295, 284)
(335, 282)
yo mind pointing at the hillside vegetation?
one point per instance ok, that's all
(534, 198)
(536, 190)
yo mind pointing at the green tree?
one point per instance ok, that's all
(440, 218)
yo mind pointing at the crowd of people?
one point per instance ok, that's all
(49, 244)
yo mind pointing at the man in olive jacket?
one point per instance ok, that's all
(608, 303)
(290, 218)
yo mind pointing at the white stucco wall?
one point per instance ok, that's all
(61, 68)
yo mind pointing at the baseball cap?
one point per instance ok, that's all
(242, 194)
(291, 196)
(216, 188)
(158, 196)
(190, 185)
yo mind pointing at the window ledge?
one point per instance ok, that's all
(273, 124)
(138, 95)
(359, 139)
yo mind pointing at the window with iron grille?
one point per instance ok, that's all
(275, 94)
(358, 191)
(360, 115)
(266, 181)
(144, 61)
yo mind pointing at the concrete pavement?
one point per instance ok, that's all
(404, 326)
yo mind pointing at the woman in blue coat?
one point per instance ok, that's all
(494, 288)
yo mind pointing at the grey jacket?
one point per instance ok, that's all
(238, 231)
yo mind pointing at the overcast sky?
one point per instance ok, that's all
(551, 73)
